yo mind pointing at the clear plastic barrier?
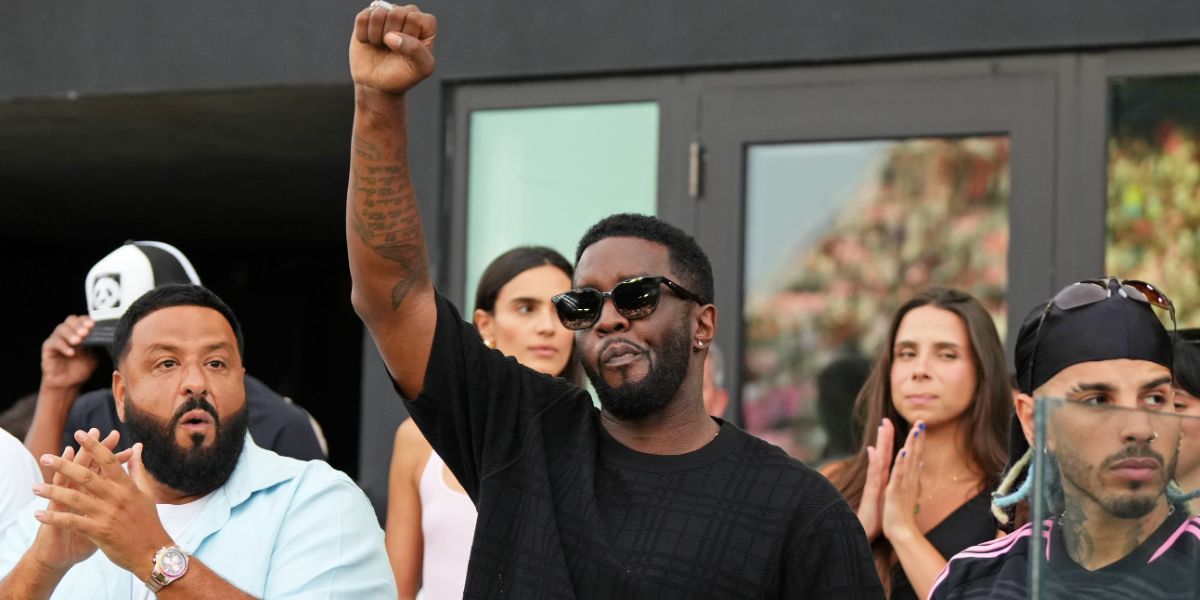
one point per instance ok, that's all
(1109, 500)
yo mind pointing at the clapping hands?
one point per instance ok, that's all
(892, 489)
(94, 504)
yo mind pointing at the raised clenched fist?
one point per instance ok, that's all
(392, 47)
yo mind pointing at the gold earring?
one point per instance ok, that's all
(490, 344)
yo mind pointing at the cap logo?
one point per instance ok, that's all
(106, 291)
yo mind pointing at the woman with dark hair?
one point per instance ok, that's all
(430, 520)
(937, 401)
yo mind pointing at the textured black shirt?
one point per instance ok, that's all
(1164, 567)
(565, 511)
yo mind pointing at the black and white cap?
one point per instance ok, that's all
(123, 276)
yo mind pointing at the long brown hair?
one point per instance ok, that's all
(987, 416)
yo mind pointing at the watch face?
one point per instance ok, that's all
(174, 563)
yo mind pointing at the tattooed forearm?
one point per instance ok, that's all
(404, 286)
(384, 216)
(365, 150)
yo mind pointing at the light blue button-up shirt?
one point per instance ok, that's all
(279, 528)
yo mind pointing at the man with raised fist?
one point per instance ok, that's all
(648, 497)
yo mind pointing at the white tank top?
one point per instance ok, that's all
(448, 526)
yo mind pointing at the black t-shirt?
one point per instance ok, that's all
(565, 511)
(1164, 567)
(275, 424)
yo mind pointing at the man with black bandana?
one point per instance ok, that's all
(202, 512)
(1115, 530)
(649, 497)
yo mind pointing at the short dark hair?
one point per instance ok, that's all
(510, 264)
(838, 385)
(1187, 362)
(167, 296)
(687, 257)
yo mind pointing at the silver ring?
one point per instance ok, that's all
(380, 4)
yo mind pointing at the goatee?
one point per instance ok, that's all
(637, 400)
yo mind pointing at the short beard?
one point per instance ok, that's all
(633, 401)
(193, 471)
(1121, 506)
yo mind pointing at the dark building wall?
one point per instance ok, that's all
(50, 50)
(100, 48)
(129, 47)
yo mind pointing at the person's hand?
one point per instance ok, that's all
(392, 47)
(879, 463)
(903, 493)
(65, 363)
(56, 548)
(105, 506)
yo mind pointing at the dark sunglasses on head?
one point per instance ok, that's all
(634, 298)
(1091, 291)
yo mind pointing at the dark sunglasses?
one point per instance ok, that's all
(634, 298)
(1091, 291)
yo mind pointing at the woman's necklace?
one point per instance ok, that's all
(935, 490)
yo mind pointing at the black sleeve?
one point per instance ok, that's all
(297, 439)
(967, 577)
(94, 409)
(278, 425)
(830, 558)
(475, 402)
(942, 585)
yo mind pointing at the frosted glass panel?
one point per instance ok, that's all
(838, 236)
(544, 175)
(1154, 187)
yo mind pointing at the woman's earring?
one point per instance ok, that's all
(490, 344)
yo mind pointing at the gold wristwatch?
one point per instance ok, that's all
(170, 563)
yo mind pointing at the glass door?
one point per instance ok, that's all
(839, 200)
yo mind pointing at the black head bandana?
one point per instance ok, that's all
(1116, 327)
(1113, 328)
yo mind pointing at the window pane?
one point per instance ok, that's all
(838, 236)
(1154, 187)
(544, 175)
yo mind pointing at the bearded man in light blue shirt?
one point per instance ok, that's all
(194, 509)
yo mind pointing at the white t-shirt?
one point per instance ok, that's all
(175, 518)
(18, 474)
